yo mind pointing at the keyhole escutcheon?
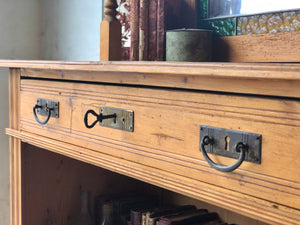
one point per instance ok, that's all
(227, 140)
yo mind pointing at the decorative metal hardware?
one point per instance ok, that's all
(47, 108)
(111, 117)
(234, 144)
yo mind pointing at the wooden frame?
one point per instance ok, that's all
(281, 81)
(15, 147)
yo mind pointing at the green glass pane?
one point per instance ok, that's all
(203, 9)
(220, 27)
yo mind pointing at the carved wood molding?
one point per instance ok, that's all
(110, 33)
(111, 6)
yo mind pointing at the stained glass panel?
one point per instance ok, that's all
(269, 23)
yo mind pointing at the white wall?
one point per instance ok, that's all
(42, 29)
(71, 29)
(20, 29)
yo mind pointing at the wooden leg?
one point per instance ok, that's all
(15, 147)
(15, 181)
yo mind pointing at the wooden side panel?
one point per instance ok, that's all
(15, 147)
(14, 98)
(52, 184)
(279, 47)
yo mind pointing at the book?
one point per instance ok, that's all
(152, 30)
(160, 35)
(138, 214)
(134, 26)
(187, 217)
(213, 222)
(143, 30)
(120, 205)
(155, 215)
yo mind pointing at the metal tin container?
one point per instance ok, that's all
(189, 45)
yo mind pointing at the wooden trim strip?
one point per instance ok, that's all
(258, 82)
(242, 70)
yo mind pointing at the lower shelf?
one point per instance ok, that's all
(51, 184)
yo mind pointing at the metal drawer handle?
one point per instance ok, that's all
(240, 147)
(99, 117)
(48, 114)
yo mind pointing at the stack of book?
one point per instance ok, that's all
(141, 209)
(115, 209)
(176, 215)
(144, 23)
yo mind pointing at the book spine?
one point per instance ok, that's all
(152, 24)
(153, 221)
(134, 25)
(143, 30)
(144, 218)
(136, 217)
(160, 30)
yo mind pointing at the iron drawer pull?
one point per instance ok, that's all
(48, 114)
(240, 147)
(99, 117)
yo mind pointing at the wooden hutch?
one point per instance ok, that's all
(156, 148)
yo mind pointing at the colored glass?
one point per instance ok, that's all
(269, 23)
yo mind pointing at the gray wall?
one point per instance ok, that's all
(20, 38)
(42, 29)
(71, 29)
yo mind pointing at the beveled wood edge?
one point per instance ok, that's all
(229, 70)
(210, 82)
(252, 208)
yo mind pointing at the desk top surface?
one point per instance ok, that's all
(275, 79)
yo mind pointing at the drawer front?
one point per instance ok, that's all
(166, 132)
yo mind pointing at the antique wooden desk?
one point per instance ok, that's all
(168, 103)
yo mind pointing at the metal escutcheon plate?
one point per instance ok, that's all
(123, 121)
(225, 142)
(46, 105)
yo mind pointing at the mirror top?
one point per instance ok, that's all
(226, 8)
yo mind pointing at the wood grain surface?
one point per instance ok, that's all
(166, 133)
(277, 47)
(52, 195)
(275, 80)
(170, 102)
(15, 148)
(110, 33)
